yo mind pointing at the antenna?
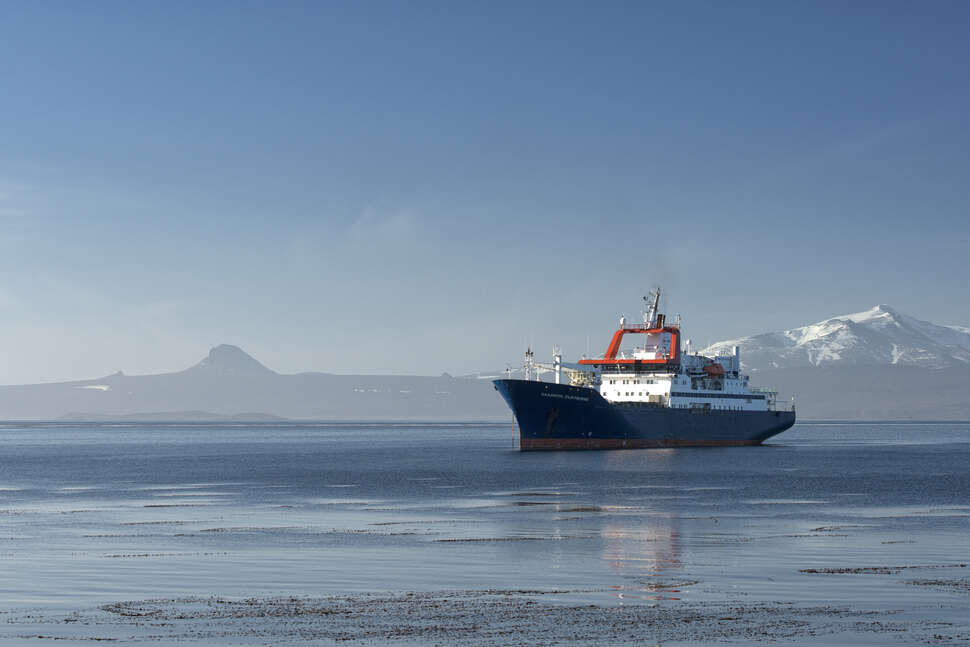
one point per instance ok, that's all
(651, 305)
(530, 366)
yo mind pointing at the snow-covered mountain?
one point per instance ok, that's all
(879, 336)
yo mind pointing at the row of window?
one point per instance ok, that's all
(734, 396)
(675, 394)
(693, 405)
(696, 405)
(635, 382)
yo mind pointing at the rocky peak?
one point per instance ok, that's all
(226, 359)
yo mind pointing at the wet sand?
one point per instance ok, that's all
(475, 618)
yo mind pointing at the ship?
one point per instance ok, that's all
(658, 394)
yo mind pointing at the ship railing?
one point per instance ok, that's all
(764, 389)
(774, 404)
(634, 327)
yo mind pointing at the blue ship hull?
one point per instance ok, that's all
(558, 416)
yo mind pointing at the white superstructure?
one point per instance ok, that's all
(698, 382)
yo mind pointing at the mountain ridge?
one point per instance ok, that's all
(878, 336)
(874, 364)
(230, 383)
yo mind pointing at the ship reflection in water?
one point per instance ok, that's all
(643, 546)
(644, 554)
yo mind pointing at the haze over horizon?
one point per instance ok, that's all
(428, 187)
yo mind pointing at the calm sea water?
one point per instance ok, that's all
(97, 513)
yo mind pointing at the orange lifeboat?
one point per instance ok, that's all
(714, 370)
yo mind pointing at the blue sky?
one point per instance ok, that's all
(420, 187)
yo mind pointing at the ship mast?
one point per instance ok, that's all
(651, 305)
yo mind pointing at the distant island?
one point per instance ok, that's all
(172, 416)
(229, 384)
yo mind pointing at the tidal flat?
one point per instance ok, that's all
(374, 534)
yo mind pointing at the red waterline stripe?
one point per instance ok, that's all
(545, 444)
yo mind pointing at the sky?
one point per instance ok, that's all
(420, 187)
